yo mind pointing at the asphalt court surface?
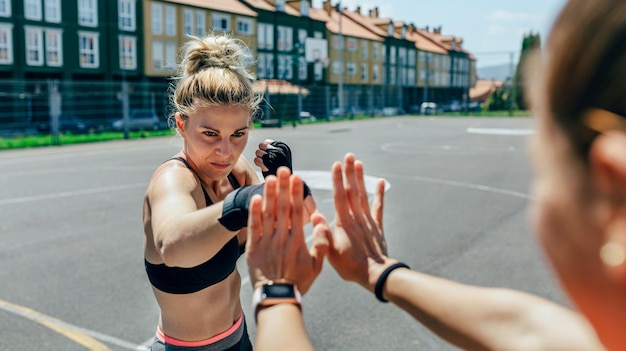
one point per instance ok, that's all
(71, 239)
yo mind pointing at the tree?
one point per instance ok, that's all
(530, 42)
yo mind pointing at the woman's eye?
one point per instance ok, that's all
(238, 134)
(210, 134)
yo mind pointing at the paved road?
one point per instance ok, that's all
(70, 230)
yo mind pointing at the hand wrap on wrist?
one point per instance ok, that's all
(380, 284)
(236, 206)
(279, 155)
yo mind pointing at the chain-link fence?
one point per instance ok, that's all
(56, 107)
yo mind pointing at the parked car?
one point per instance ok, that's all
(74, 124)
(428, 108)
(475, 107)
(141, 119)
(306, 116)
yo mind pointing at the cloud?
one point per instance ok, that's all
(495, 30)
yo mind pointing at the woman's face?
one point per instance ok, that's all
(215, 137)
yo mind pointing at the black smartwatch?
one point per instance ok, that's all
(275, 293)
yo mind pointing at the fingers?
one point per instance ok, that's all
(354, 186)
(255, 221)
(297, 207)
(378, 203)
(342, 208)
(269, 205)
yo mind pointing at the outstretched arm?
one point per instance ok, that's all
(277, 254)
(470, 317)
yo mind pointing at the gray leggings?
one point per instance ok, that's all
(237, 341)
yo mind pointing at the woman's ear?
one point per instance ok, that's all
(608, 167)
(180, 123)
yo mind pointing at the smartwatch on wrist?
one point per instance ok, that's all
(275, 293)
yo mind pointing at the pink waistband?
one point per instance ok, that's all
(176, 342)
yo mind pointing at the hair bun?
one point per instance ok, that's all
(213, 52)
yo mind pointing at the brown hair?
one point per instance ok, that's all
(213, 71)
(584, 66)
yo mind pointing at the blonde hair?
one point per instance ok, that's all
(213, 71)
(583, 67)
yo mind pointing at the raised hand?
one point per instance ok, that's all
(276, 247)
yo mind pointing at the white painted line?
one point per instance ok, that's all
(500, 131)
(79, 335)
(464, 185)
(24, 199)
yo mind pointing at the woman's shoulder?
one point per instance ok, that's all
(173, 173)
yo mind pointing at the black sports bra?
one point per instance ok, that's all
(177, 280)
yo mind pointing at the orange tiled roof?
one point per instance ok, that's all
(264, 5)
(277, 86)
(483, 89)
(319, 14)
(366, 22)
(349, 27)
(424, 43)
(232, 6)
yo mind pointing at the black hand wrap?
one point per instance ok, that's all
(279, 155)
(236, 206)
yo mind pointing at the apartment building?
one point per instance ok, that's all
(131, 47)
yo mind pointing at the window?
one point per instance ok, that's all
(34, 46)
(376, 50)
(375, 73)
(88, 49)
(126, 15)
(170, 55)
(54, 47)
(402, 56)
(265, 36)
(304, 8)
(364, 70)
(364, 49)
(32, 10)
(157, 19)
(392, 75)
(318, 71)
(302, 68)
(302, 35)
(128, 52)
(170, 20)
(318, 35)
(351, 44)
(269, 66)
(411, 58)
(163, 55)
(285, 69)
(5, 8)
(221, 22)
(411, 76)
(285, 38)
(53, 11)
(392, 54)
(351, 68)
(188, 21)
(200, 23)
(260, 71)
(245, 26)
(336, 67)
(157, 55)
(87, 13)
(6, 43)
(194, 22)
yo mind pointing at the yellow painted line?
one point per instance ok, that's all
(56, 325)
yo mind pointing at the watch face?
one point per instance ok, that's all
(278, 291)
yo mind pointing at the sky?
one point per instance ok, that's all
(491, 29)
